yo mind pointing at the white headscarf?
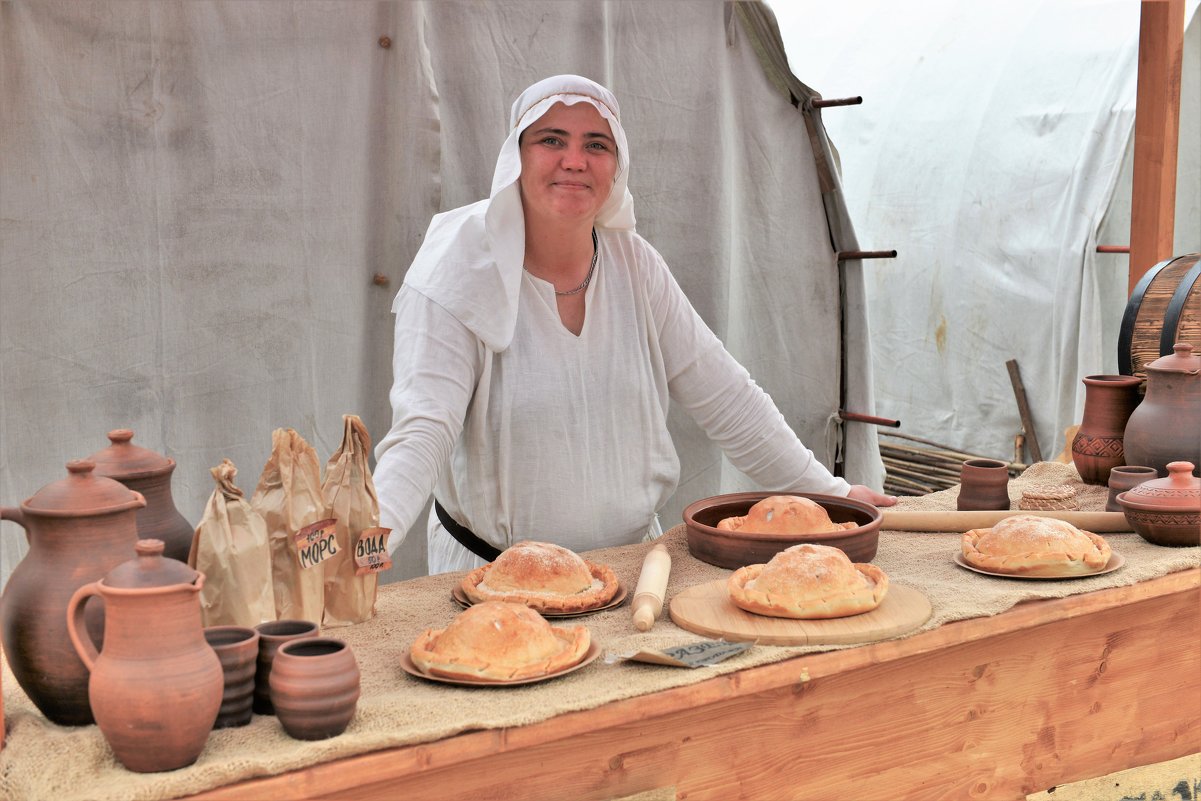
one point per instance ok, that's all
(471, 260)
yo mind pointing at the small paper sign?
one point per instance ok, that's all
(316, 542)
(371, 551)
(693, 655)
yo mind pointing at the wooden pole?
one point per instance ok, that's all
(1019, 393)
(1156, 135)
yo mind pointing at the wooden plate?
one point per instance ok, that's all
(408, 666)
(1116, 560)
(706, 609)
(462, 600)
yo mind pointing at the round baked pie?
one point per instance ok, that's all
(499, 641)
(808, 581)
(1029, 545)
(784, 514)
(543, 576)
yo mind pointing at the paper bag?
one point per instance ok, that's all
(289, 499)
(231, 549)
(351, 501)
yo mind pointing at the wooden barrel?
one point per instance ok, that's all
(1165, 308)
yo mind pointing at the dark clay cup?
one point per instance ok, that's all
(272, 635)
(1124, 478)
(238, 649)
(314, 687)
(983, 486)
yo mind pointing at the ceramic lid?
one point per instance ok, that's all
(1181, 360)
(124, 460)
(1180, 490)
(83, 493)
(149, 569)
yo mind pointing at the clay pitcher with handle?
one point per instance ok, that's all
(156, 686)
(78, 528)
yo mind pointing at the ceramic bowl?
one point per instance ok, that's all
(735, 549)
(1166, 511)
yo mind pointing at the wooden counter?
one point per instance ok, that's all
(1052, 691)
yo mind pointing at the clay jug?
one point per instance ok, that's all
(1097, 448)
(149, 473)
(78, 529)
(1166, 426)
(156, 686)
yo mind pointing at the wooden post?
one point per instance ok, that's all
(1156, 135)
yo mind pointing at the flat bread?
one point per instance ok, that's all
(499, 641)
(543, 576)
(1029, 545)
(808, 581)
(785, 514)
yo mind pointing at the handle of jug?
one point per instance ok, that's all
(77, 625)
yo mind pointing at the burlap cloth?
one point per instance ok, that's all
(44, 761)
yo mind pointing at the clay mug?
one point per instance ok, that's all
(149, 473)
(156, 685)
(1126, 477)
(314, 687)
(78, 528)
(983, 485)
(237, 648)
(272, 635)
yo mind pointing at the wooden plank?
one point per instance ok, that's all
(1156, 135)
(1049, 692)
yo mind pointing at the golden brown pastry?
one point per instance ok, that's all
(1028, 545)
(543, 576)
(499, 641)
(784, 514)
(808, 581)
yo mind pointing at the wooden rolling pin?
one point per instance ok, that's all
(652, 587)
(919, 520)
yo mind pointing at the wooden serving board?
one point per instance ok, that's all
(706, 609)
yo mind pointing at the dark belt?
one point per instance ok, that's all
(465, 536)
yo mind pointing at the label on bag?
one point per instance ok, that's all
(693, 655)
(316, 542)
(371, 551)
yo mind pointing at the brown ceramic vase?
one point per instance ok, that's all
(156, 686)
(983, 486)
(237, 648)
(149, 473)
(1166, 511)
(272, 635)
(1123, 478)
(78, 529)
(1166, 426)
(314, 687)
(1097, 448)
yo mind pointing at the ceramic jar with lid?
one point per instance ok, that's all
(1166, 511)
(78, 528)
(1166, 426)
(149, 473)
(156, 686)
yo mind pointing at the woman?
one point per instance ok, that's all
(539, 340)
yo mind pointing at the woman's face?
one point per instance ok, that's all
(568, 162)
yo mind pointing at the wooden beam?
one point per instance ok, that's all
(1156, 135)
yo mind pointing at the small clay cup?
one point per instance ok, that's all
(1126, 477)
(983, 486)
(314, 687)
(272, 635)
(238, 649)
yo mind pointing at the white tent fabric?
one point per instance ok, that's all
(992, 151)
(198, 197)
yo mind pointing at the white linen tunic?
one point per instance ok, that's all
(562, 438)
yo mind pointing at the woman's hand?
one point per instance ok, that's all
(866, 494)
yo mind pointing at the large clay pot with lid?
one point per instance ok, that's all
(156, 686)
(1166, 426)
(78, 529)
(1098, 447)
(149, 473)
